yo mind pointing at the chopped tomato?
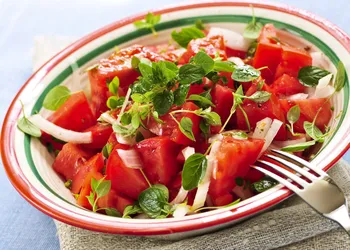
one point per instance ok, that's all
(308, 110)
(118, 64)
(171, 129)
(100, 134)
(223, 199)
(95, 164)
(175, 186)
(254, 175)
(268, 34)
(235, 53)
(126, 181)
(114, 200)
(75, 114)
(258, 111)
(293, 59)
(69, 160)
(158, 156)
(287, 85)
(86, 189)
(214, 46)
(222, 98)
(112, 140)
(244, 153)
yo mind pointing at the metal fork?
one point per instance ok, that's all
(322, 193)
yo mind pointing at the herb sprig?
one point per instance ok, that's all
(26, 126)
(148, 23)
(252, 30)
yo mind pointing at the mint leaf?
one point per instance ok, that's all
(112, 212)
(252, 30)
(310, 75)
(150, 21)
(201, 101)
(260, 96)
(293, 114)
(211, 118)
(224, 66)
(91, 199)
(193, 171)
(245, 73)
(28, 127)
(186, 128)
(103, 188)
(203, 60)
(107, 149)
(298, 147)
(252, 49)
(340, 77)
(131, 210)
(264, 184)
(114, 85)
(313, 131)
(199, 24)
(114, 102)
(180, 94)
(190, 73)
(163, 101)
(152, 201)
(184, 37)
(56, 97)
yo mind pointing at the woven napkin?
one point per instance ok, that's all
(292, 225)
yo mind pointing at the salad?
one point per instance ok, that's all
(172, 129)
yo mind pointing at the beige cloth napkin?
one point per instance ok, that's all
(292, 225)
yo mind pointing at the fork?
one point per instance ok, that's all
(321, 193)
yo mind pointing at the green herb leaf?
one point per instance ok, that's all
(260, 96)
(193, 171)
(202, 101)
(164, 189)
(68, 184)
(112, 212)
(211, 118)
(184, 37)
(152, 201)
(264, 184)
(107, 149)
(91, 199)
(100, 187)
(114, 85)
(149, 22)
(252, 30)
(56, 97)
(245, 73)
(135, 61)
(237, 134)
(310, 75)
(340, 77)
(293, 114)
(186, 128)
(313, 131)
(163, 101)
(180, 94)
(204, 127)
(114, 102)
(205, 61)
(298, 147)
(224, 66)
(135, 120)
(131, 210)
(199, 24)
(28, 127)
(252, 49)
(239, 181)
(190, 73)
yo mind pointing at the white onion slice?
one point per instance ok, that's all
(179, 52)
(299, 96)
(323, 89)
(106, 117)
(262, 127)
(217, 137)
(187, 152)
(233, 39)
(127, 140)
(319, 60)
(130, 158)
(59, 132)
(242, 192)
(236, 60)
(282, 144)
(275, 126)
(181, 210)
(127, 96)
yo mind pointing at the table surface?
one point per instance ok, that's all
(21, 225)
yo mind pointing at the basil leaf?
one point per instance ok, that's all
(180, 94)
(313, 131)
(130, 210)
(163, 101)
(112, 212)
(114, 85)
(184, 37)
(190, 73)
(310, 75)
(224, 66)
(212, 118)
(293, 114)
(203, 60)
(152, 201)
(298, 147)
(186, 128)
(193, 171)
(260, 96)
(340, 77)
(264, 184)
(56, 97)
(252, 30)
(203, 102)
(114, 102)
(245, 73)
(28, 127)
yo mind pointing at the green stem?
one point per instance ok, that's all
(227, 120)
(144, 176)
(245, 117)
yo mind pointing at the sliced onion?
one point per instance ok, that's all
(323, 89)
(181, 210)
(127, 140)
(59, 132)
(275, 126)
(106, 117)
(187, 152)
(242, 192)
(179, 52)
(141, 216)
(282, 144)
(299, 96)
(319, 60)
(217, 137)
(233, 39)
(127, 96)
(130, 158)
(236, 60)
(262, 127)
(214, 149)
(180, 197)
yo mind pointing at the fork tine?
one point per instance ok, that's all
(300, 161)
(290, 175)
(292, 166)
(285, 182)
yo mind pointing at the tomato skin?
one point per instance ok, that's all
(125, 181)
(245, 153)
(256, 112)
(293, 59)
(175, 186)
(308, 109)
(114, 200)
(235, 53)
(287, 85)
(222, 200)
(267, 34)
(69, 160)
(94, 164)
(75, 114)
(222, 98)
(100, 135)
(171, 129)
(86, 189)
(118, 64)
(254, 175)
(213, 46)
